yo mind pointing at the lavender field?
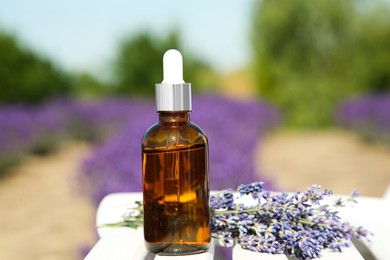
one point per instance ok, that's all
(116, 126)
(40, 129)
(368, 115)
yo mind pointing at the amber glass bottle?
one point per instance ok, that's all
(175, 175)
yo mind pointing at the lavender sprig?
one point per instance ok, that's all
(297, 224)
(132, 218)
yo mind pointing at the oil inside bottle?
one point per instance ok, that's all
(176, 219)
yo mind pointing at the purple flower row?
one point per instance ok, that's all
(233, 128)
(369, 115)
(41, 128)
(26, 129)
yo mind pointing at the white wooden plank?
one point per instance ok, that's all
(112, 207)
(119, 244)
(350, 253)
(386, 195)
(240, 254)
(209, 255)
(374, 215)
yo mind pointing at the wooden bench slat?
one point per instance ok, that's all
(350, 253)
(374, 215)
(239, 254)
(118, 244)
(112, 207)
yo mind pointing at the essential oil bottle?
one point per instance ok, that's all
(175, 170)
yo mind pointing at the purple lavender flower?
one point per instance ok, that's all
(314, 194)
(252, 188)
(223, 200)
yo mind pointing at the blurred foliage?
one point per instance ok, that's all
(138, 66)
(309, 55)
(87, 85)
(372, 64)
(26, 77)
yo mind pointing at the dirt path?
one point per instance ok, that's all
(43, 215)
(335, 159)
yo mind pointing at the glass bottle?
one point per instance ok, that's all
(175, 171)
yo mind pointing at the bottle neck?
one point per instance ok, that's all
(175, 117)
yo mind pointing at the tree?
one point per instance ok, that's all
(309, 55)
(138, 66)
(25, 77)
(373, 61)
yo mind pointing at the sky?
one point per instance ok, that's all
(84, 35)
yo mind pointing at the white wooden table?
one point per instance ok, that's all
(127, 243)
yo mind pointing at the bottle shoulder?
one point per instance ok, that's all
(197, 128)
(169, 136)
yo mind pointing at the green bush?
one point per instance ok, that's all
(25, 77)
(309, 55)
(138, 66)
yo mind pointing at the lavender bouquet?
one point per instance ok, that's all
(297, 224)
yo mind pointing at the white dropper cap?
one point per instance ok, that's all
(173, 94)
(173, 67)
